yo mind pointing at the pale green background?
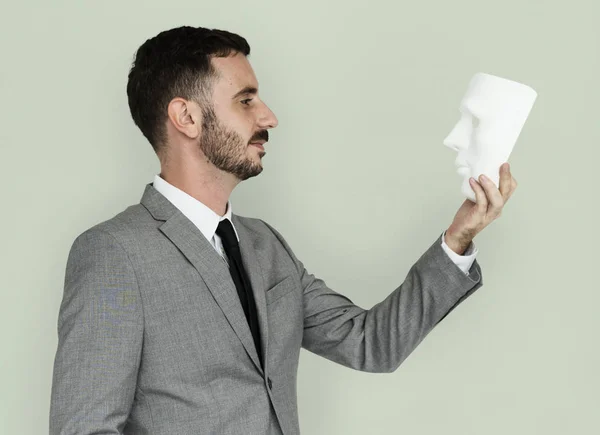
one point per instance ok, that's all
(357, 180)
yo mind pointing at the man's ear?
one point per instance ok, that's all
(185, 116)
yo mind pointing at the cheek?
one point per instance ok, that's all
(483, 141)
(243, 127)
(482, 149)
(240, 131)
(479, 136)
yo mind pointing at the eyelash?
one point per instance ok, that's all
(249, 99)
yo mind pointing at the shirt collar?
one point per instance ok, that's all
(203, 217)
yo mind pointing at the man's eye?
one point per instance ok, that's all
(244, 101)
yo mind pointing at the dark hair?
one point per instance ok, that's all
(175, 63)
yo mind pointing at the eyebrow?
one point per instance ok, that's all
(472, 110)
(248, 90)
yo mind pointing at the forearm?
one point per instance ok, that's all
(433, 287)
(378, 340)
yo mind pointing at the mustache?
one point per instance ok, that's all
(262, 135)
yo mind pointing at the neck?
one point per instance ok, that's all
(202, 181)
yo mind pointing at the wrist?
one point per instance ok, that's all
(458, 242)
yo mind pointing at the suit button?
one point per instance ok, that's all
(270, 383)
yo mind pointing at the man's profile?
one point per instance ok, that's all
(181, 317)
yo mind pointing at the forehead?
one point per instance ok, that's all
(236, 73)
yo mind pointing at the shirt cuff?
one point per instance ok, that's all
(464, 262)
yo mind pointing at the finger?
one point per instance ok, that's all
(505, 181)
(480, 198)
(513, 186)
(494, 196)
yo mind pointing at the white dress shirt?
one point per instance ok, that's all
(207, 221)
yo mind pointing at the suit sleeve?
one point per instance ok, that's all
(100, 330)
(378, 340)
(464, 261)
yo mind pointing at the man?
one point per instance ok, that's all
(180, 317)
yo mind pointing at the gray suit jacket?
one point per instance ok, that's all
(152, 338)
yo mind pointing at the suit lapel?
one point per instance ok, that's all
(213, 270)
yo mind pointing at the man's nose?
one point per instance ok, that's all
(268, 118)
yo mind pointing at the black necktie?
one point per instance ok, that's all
(240, 278)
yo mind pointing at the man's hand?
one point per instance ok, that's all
(472, 217)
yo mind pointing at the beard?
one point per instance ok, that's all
(226, 149)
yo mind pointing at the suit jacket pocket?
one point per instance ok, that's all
(280, 289)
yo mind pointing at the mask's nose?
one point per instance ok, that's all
(458, 139)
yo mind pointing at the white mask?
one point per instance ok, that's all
(493, 112)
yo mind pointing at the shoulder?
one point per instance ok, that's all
(124, 228)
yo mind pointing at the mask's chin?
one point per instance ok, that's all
(489, 167)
